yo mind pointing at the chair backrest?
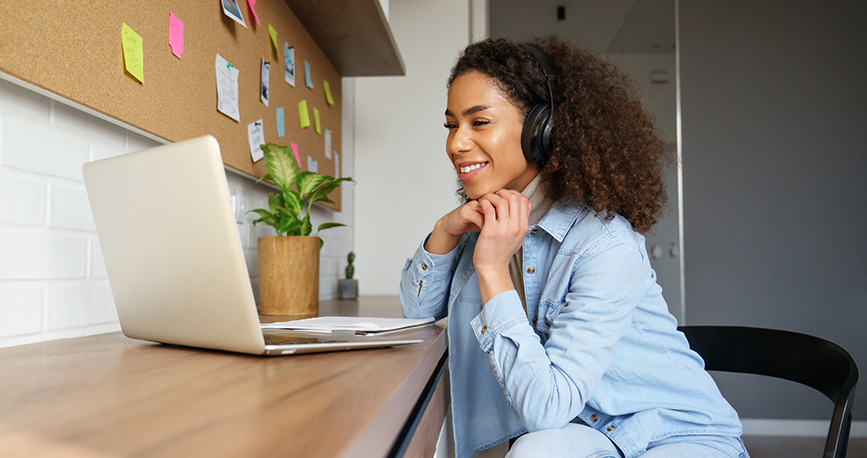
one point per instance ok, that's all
(789, 355)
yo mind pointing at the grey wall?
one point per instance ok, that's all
(774, 109)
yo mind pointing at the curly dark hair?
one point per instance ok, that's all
(607, 152)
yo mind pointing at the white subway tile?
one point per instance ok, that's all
(21, 309)
(37, 147)
(18, 101)
(97, 262)
(26, 256)
(136, 142)
(22, 201)
(70, 208)
(95, 129)
(78, 305)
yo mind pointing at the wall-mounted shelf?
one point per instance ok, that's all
(353, 34)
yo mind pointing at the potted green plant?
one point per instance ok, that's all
(289, 262)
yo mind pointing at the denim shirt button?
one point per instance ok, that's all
(534, 231)
(594, 418)
(610, 428)
(531, 269)
(423, 266)
(547, 323)
(535, 319)
(484, 329)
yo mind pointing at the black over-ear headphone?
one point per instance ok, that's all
(536, 136)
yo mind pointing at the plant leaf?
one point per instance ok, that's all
(308, 181)
(326, 189)
(293, 202)
(306, 226)
(267, 176)
(281, 164)
(324, 226)
(275, 202)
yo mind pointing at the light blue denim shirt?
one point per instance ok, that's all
(597, 341)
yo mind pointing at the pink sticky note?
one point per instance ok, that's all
(252, 5)
(176, 35)
(295, 150)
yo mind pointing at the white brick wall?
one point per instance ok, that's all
(53, 282)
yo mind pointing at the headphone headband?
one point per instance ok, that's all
(548, 70)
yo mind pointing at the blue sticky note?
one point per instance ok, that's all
(281, 130)
(307, 78)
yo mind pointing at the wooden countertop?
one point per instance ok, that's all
(109, 396)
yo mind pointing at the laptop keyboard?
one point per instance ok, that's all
(281, 339)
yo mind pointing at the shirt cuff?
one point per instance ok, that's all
(428, 263)
(503, 312)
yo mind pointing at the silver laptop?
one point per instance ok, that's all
(174, 258)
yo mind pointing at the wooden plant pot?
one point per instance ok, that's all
(289, 275)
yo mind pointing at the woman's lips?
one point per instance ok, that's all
(468, 171)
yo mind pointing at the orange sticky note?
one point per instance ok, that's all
(303, 114)
(133, 56)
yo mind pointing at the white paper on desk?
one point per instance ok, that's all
(349, 324)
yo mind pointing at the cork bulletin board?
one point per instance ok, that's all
(74, 50)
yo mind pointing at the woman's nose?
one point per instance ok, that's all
(460, 141)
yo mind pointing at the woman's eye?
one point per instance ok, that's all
(449, 126)
(481, 122)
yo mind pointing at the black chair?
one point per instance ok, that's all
(789, 355)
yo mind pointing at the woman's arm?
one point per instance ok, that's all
(549, 385)
(426, 277)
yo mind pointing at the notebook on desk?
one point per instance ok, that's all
(174, 259)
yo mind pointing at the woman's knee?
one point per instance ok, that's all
(573, 440)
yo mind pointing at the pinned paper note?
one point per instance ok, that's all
(336, 164)
(303, 114)
(256, 136)
(307, 78)
(327, 93)
(227, 88)
(312, 165)
(289, 64)
(281, 128)
(328, 143)
(252, 5)
(176, 35)
(295, 151)
(273, 34)
(317, 126)
(231, 9)
(264, 87)
(133, 56)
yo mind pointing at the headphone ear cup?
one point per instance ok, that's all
(535, 136)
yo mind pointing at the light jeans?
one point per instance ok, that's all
(580, 441)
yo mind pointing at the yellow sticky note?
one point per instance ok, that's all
(316, 119)
(328, 97)
(133, 56)
(273, 34)
(303, 114)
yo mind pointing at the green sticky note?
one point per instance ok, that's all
(316, 119)
(303, 114)
(273, 34)
(328, 97)
(133, 56)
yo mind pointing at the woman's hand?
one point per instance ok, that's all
(449, 229)
(506, 219)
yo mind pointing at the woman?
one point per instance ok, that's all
(558, 332)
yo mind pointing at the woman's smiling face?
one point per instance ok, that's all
(484, 142)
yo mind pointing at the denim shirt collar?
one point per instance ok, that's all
(560, 218)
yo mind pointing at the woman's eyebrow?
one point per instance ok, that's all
(469, 111)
